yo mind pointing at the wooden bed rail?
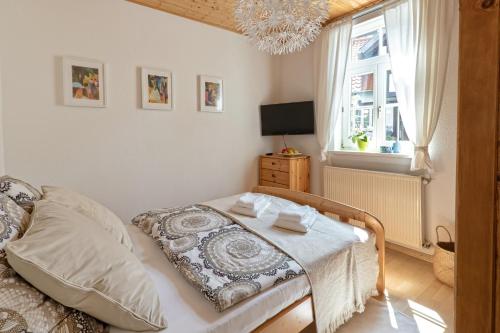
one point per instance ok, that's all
(345, 214)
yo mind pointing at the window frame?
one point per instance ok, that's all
(378, 65)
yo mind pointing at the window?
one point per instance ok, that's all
(370, 104)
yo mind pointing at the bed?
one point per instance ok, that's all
(286, 307)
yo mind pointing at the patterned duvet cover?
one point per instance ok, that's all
(225, 262)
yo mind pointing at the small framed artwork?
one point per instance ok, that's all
(211, 94)
(156, 89)
(83, 82)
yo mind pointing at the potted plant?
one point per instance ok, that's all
(361, 139)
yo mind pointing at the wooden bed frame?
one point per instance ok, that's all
(299, 315)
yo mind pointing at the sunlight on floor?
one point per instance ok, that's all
(392, 316)
(428, 320)
(414, 291)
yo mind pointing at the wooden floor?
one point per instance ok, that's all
(413, 290)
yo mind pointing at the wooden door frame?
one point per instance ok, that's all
(476, 228)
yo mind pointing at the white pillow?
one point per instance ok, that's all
(70, 259)
(91, 209)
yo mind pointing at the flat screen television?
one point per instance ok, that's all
(287, 118)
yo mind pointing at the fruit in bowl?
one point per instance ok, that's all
(290, 151)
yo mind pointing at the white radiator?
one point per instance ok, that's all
(395, 199)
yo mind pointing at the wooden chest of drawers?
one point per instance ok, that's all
(285, 172)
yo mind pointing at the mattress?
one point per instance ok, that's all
(189, 312)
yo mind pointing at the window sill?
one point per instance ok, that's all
(370, 154)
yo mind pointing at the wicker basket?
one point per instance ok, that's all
(444, 259)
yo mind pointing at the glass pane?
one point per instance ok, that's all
(365, 46)
(362, 101)
(385, 46)
(394, 128)
(362, 121)
(391, 125)
(362, 90)
(390, 91)
(402, 132)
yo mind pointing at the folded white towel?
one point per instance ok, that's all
(303, 226)
(252, 200)
(296, 213)
(253, 212)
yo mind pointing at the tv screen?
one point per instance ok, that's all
(287, 118)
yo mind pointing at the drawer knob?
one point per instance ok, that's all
(273, 175)
(273, 163)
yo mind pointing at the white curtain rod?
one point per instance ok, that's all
(374, 8)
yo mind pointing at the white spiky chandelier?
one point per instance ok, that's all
(281, 26)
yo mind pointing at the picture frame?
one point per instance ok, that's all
(211, 94)
(84, 82)
(157, 92)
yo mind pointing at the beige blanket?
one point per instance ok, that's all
(339, 259)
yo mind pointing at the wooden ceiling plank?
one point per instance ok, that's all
(220, 13)
(183, 12)
(200, 11)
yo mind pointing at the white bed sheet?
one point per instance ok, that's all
(187, 311)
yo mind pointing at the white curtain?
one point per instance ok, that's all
(418, 35)
(335, 40)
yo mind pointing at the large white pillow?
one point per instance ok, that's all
(91, 209)
(71, 259)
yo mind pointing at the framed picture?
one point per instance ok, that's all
(156, 89)
(211, 94)
(83, 82)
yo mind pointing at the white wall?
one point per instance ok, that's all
(128, 158)
(296, 83)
